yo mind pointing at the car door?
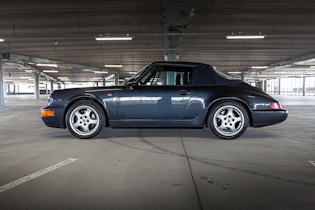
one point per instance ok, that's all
(159, 95)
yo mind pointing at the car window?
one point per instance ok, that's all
(167, 75)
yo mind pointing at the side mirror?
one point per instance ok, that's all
(130, 84)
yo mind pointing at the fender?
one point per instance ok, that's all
(211, 103)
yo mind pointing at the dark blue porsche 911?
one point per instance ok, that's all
(165, 94)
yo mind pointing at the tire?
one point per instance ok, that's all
(228, 120)
(85, 119)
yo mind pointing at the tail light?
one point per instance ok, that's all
(276, 105)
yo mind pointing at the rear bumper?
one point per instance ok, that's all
(264, 118)
(56, 121)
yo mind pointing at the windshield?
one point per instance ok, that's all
(138, 74)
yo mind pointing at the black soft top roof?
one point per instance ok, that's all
(204, 74)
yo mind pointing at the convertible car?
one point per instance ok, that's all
(165, 94)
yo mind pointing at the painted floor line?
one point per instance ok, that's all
(37, 174)
(312, 162)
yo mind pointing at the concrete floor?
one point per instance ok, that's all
(267, 168)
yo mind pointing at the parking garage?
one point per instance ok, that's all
(46, 46)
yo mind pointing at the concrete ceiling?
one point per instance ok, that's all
(64, 32)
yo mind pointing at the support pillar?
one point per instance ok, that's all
(46, 89)
(304, 86)
(116, 78)
(2, 84)
(263, 85)
(243, 77)
(171, 55)
(104, 82)
(36, 85)
(51, 86)
(279, 87)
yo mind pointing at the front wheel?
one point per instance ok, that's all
(85, 119)
(228, 120)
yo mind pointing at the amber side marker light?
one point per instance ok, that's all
(48, 113)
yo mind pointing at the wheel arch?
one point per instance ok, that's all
(88, 98)
(225, 99)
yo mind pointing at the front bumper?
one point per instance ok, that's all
(56, 120)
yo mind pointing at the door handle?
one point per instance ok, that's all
(183, 92)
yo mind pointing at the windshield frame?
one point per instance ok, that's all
(138, 75)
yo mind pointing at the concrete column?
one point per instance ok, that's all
(171, 56)
(279, 87)
(51, 86)
(263, 85)
(104, 82)
(2, 84)
(46, 88)
(116, 78)
(36, 85)
(9, 89)
(243, 77)
(304, 86)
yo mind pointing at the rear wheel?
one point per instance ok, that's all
(228, 120)
(85, 119)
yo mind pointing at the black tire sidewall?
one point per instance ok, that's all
(227, 103)
(99, 112)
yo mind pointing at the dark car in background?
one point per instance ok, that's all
(165, 94)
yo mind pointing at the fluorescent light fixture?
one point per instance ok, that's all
(118, 38)
(47, 64)
(1, 40)
(95, 78)
(100, 72)
(280, 72)
(132, 72)
(25, 77)
(113, 65)
(259, 67)
(245, 37)
(234, 72)
(50, 71)
(63, 78)
(86, 70)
